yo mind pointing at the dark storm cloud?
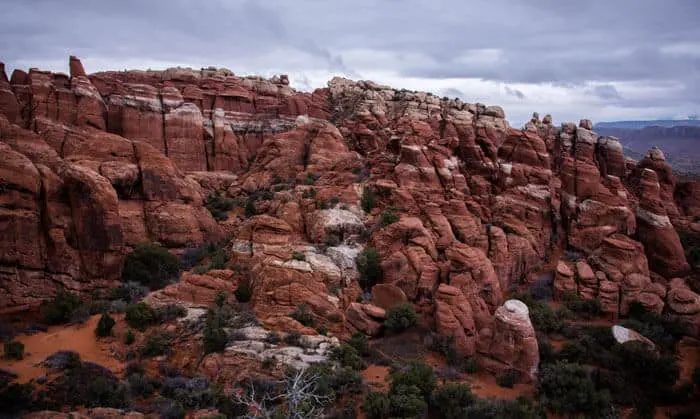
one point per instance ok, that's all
(565, 44)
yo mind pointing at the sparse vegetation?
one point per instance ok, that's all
(218, 206)
(104, 326)
(508, 379)
(584, 307)
(368, 200)
(156, 343)
(400, 318)
(151, 265)
(215, 338)
(13, 350)
(303, 315)
(298, 256)
(567, 388)
(348, 356)
(61, 308)
(369, 266)
(451, 401)
(389, 216)
(129, 338)
(140, 316)
(243, 292)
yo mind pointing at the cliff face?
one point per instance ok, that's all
(96, 164)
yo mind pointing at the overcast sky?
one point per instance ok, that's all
(599, 59)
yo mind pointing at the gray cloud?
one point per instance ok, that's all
(605, 92)
(566, 45)
(515, 92)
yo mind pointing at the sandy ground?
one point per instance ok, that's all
(375, 376)
(78, 338)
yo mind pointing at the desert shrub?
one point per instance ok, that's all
(129, 338)
(332, 240)
(544, 318)
(215, 338)
(522, 408)
(298, 256)
(652, 373)
(415, 374)
(172, 410)
(243, 292)
(140, 385)
(348, 356)
(250, 209)
(303, 315)
(333, 382)
(585, 307)
(334, 201)
(369, 267)
(130, 291)
(407, 401)
(293, 339)
(16, 399)
(567, 388)
(508, 379)
(388, 216)
(117, 306)
(62, 360)
(321, 204)
(218, 206)
(156, 343)
(104, 326)
(61, 308)
(170, 312)
(90, 385)
(451, 400)
(80, 315)
(140, 316)
(322, 330)
(377, 405)
(400, 318)
(444, 345)
(150, 265)
(368, 200)
(273, 338)
(13, 350)
(663, 330)
(360, 342)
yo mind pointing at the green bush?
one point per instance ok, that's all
(322, 330)
(377, 405)
(368, 200)
(566, 388)
(293, 339)
(104, 326)
(360, 342)
(170, 312)
(129, 338)
(415, 374)
(298, 256)
(151, 265)
(140, 316)
(451, 400)
(215, 338)
(303, 315)
(508, 378)
(400, 318)
(544, 318)
(250, 209)
(585, 307)
(61, 308)
(243, 292)
(348, 356)
(388, 216)
(156, 343)
(369, 267)
(14, 350)
(406, 401)
(522, 408)
(218, 206)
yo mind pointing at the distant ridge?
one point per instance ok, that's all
(666, 123)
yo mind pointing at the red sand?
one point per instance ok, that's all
(80, 338)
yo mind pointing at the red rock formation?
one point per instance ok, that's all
(512, 339)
